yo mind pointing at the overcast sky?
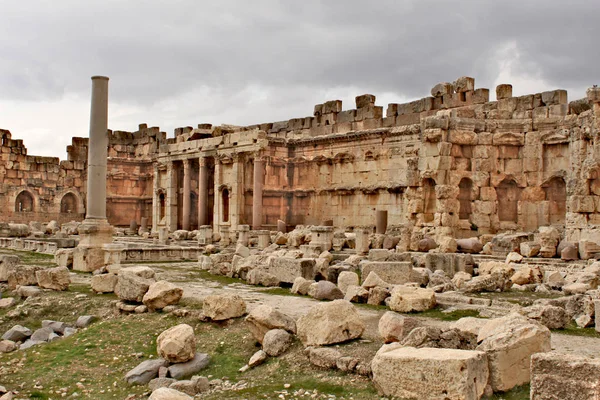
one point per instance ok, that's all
(175, 63)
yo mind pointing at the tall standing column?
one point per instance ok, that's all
(155, 199)
(187, 207)
(97, 150)
(257, 193)
(202, 192)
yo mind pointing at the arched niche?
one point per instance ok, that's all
(508, 194)
(24, 202)
(68, 204)
(225, 204)
(556, 195)
(429, 199)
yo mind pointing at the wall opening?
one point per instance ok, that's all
(429, 207)
(464, 197)
(162, 207)
(24, 202)
(556, 195)
(508, 194)
(68, 204)
(225, 203)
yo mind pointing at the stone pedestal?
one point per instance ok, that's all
(382, 221)
(133, 227)
(163, 235)
(362, 241)
(205, 235)
(322, 236)
(225, 238)
(88, 256)
(243, 235)
(264, 239)
(143, 225)
(112, 255)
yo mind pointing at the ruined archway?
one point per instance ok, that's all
(24, 202)
(556, 195)
(68, 204)
(508, 194)
(465, 198)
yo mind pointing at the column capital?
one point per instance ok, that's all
(186, 163)
(202, 161)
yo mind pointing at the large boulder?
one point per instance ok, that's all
(7, 262)
(264, 318)
(330, 323)
(394, 327)
(161, 294)
(325, 290)
(164, 393)
(17, 333)
(509, 343)
(301, 285)
(426, 373)
(22, 275)
(133, 283)
(53, 278)
(410, 299)
(145, 372)
(222, 307)
(276, 342)
(469, 245)
(177, 344)
(346, 279)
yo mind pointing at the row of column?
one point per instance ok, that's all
(257, 196)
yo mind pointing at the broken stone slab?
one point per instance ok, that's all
(288, 269)
(189, 368)
(262, 278)
(42, 334)
(356, 294)
(7, 346)
(22, 275)
(56, 326)
(564, 376)
(469, 245)
(378, 295)
(410, 299)
(449, 263)
(397, 273)
(330, 323)
(30, 343)
(323, 357)
(373, 280)
(7, 302)
(529, 249)
(552, 317)
(7, 262)
(264, 318)
(28, 291)
(346, 279)
(104, 283)
(504, 243)
(442, 373)
(301, 286)
(133, 283)
(157, 383)
(17, 333)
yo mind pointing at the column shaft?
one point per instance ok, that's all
(186, 195)
(97, 150)
(202, 193)
(257, 194)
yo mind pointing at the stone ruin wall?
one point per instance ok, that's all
(453, 163)
(34, 188)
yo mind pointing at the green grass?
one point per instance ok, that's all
(573, 330)
(517, 393)
(31, 257)
(277, 291)
(437, 313)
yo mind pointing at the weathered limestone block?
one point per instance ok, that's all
(562, 376)
(259, 277)
(464, 84)
(22, 275)
(505, 243)
(222, 307)
(427, 373)
(397, 273)
(177, 344)
(330, 323)
(470, 245)
(529, 249)
(409, 299)
(161, 294)
(449, 263)
(64, 258)
(301, 286)
(323, 357)
(346, 279)
(145, 372)
(7, 262)
(394, 327)
(104, 283)
(503, 91)
(377, 295)
(441, 89)
(325, 290)
(356, 294)
(288, 269)
(53, 278)
(264, 318)
(276, 342)
(552, 317)
(525, 275)
(588, 249)
(164, 393)
(373, 280)
(133, 283)
(509, 343)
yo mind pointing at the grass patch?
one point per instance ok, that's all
(517, 393)
(573, 330)
(277, 291)
(31, 257)
(437, 313)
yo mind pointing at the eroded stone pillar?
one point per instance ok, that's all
(362, 241)
(225, 238)
(205, 235)
(382, 221)
(187, 206)
(202, 192)
(264, 239)
(257, 193)
(243, 235)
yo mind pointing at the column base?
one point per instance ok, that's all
(89, 255)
